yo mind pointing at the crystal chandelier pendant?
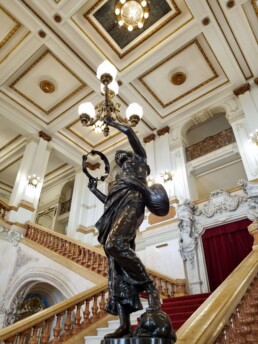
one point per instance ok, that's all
(131, 14)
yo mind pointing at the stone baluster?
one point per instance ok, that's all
(68, 325)
(86, 313)
(46, 332)
(34, 337)
(94, 309)
(10, 340)
(57, 329)
(102, 304)
(77, 320)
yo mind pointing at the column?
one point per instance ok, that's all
(86, 209)
(247, 149)
(184, 183)
(249, 107)
(25, 197)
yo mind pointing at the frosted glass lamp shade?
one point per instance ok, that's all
(106, 68)
(88, 109)
(113, 86)
(134, 109)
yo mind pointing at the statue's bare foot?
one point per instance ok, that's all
(120, 332)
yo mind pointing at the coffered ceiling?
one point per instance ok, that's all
(188, 54)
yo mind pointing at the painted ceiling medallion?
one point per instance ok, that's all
(47, 86)
(178, 78)
(132, 14)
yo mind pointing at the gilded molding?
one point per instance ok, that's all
(214, 76)
(26, 205)
(12, 31)
(140, 41)
(256, 81)
(47, 112)
(45, 136)
(242, 89)
(149, 138)
(10, 142)
(163, 131)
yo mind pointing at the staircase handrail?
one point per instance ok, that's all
(50, 313)
(81, 253)
(207, 323)
(66, 237)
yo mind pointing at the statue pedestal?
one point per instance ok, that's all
(137, 340)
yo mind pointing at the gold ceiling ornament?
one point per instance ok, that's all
(47, 86)
(178, 78)
(94, 116)
(132, 14)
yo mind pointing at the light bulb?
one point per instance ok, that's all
(130, 28)
(140, 25)
(144, 3)
(122, 1)
(113, 86)
(120, 23)
(146, 15)
(106, 68)
(117, 11)
(87, 108)
(134, 109)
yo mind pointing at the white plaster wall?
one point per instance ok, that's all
(21, 265)
(165, 260)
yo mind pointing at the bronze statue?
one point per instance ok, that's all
(123, 214)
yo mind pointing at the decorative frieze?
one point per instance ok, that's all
(210, 144)
(12, 236)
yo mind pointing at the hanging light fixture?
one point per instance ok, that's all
(132, 14)
(33, 180)
(91, 115)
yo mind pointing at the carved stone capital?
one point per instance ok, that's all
(242, 89)
(45, 136)
(253, 230)
(163, 131)
(149, 138)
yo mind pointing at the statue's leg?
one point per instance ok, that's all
(118, 247)
(124, 330)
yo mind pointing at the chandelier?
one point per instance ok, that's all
(91, 115)
(132, 14)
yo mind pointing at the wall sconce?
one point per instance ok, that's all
(254, 137)
(33, 180)
(166, 176)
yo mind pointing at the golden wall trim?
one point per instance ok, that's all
(242, 89)
(149, 138)
(139, 41)
(12, 31)
(10, 142)
(156, 97)
(47, 112)
(56, 169)
(26, 205)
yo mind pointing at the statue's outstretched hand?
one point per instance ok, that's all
(92, 185)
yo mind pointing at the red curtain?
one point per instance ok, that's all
(224, 248)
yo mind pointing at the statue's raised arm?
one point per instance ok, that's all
(132, 138)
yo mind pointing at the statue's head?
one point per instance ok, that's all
(122, 156)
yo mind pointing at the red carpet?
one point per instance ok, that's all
(181, 308)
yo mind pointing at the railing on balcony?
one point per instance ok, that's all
(65, 207)
(93, 258)
(58, 323)
(210, 144)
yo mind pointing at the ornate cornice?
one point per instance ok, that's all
(242, 89)
(163, 131)
(93, 167)
(45, 136)
(149, 138)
